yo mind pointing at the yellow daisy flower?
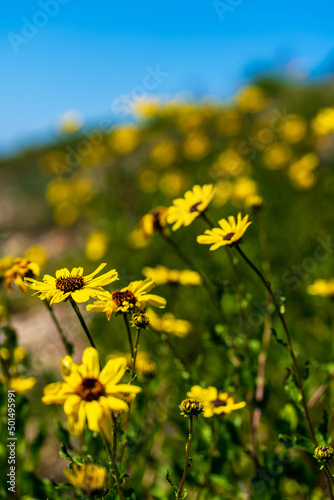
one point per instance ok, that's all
(132, 297)
(323, 288)
(185, 210)
(90, 477)
(18, 270)
(90, 394)
(72, 284)
(154, 222)
(229, 232)
(214, 402)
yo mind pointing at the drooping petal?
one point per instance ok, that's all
(94, 414)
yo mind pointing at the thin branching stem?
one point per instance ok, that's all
(82, 322)
(187, 464)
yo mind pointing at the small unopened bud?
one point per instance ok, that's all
(140, 320)
(191, 408)
(324, 453)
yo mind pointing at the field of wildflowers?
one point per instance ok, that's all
(167, 303)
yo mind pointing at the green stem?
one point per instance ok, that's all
(129, 334)
(192, 266)
(112, 455)
(135, 352)
(186, 467)
(82, 322)
(288, 339)
(68, 346)
(330, 480)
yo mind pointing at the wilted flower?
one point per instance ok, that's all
(18, 270)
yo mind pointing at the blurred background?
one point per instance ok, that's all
(110, 110)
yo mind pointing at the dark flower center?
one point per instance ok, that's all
(120, 297)
(70, 284)
(90, 389)
(194, 207)
(218, 402)
(228, 236)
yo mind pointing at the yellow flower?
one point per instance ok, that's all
(131, 298)
(323, 123)
(19, 384)
(251, 99)
(4, 353)
(97, 245)
(90, 477)
(230, 232)
(90, 394)
(19, 354)
(20, 268)
(168, 323)
(323, 288)
(164, 153)
(277, 156)
(242, 188)
(124, 139)
(185, 210)
(162, 275)
(254, 201)
(5, 263)
(294, 129)
(196, 146)
(72, 284)
(154, 221)
(214, 402)
(302, 171)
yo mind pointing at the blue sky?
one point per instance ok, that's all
(58, 55)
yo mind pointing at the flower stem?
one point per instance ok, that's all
(329, 474)
(187, 464)
(129, 335)
(288, 339)
(68, 345)
(82, 322)
(112, 454)
(134, 359)
(192, 266)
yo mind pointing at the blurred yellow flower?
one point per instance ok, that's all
(168, 323)
(124, 140)
(162, 275)
(5, 263)
(133, 297)
(21, 268)
(254, 201)
(154, 221)
(72, 284)
(196, 146)
(65, 214)
(230, 232)
(185, 210)
(97, 245)
(19, 354)
(144, 364)
(243, 188)
(231, 164)
(90, 477)
(19, 384)
(223, 193)
(136, 239)
(38, 254)
(4, 353)
(323, 123)
(148, 180)
(323, 288)
(294, 129)
(229, 123)
(164, 153)
(302, 172)
(251, 99)
(88, 393)
(146, 108)
(214, 402)
(277, 156)
(172, 183)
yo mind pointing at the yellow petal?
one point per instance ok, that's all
(91, 362)
(71, 403)
(113, 371)
(94, 414)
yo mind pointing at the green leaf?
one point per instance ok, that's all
(168, 479)
(278, 340)
(64, 453)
